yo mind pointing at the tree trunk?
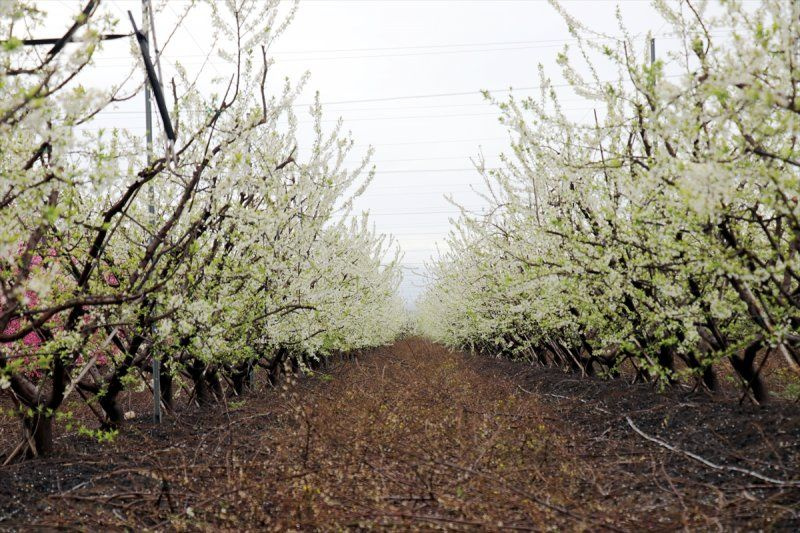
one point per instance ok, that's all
(241, 378)
(202, 393)
(666, 360)
(108, 400)
(275, 366)
(745, 367)
(708, 375)
(167, 397)
(215, 385)
(114, 414)
(38, 430)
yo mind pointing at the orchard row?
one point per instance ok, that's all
(658, 235)
(231, 247)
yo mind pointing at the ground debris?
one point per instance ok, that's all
(414, 437)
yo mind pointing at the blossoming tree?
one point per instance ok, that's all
(662, 234)
(230, 246)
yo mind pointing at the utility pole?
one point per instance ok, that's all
(148, 119)
(652, 51)
(151, 84)
(152, 87)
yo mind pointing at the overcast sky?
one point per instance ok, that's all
(405, 75)
(429, 48)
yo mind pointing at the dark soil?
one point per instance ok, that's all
(413, 437)
(720, 428)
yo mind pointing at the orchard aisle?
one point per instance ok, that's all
(410, 436)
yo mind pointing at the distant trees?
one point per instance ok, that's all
(220, 253)
(663, 233)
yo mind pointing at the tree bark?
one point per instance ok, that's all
(202, 393)
(38, 431)
(745, 367)
(167, 394)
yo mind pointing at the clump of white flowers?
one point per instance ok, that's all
(660, 238)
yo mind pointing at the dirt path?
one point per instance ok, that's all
(410, 437)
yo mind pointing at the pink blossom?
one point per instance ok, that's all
(12, 327)
(32, 339)
(32, 298)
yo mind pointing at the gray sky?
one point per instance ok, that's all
(405, 75)
(429, 47)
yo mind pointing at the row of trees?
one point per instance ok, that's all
(663, 234)
(232, 247)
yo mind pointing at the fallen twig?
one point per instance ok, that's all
(708, 463)
(20, 447)
(559, 396)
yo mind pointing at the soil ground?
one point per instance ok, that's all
(414, 437)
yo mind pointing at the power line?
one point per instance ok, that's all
(352, 109)
(432, 95)
(476, 47)
(445, 229)
(417, 47)
(447, 45)
(366, 109)
(404, 234)
(191, 36)
(279, 60)
(416, 186)
(496, 113)
(407, 107)
(398, 213)
(564, 85)
(548, 42)
(442, 141)
(415, 159)
(356, 119)
(426, 170)
(414, 54)
(434, 195)
(357, 146)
